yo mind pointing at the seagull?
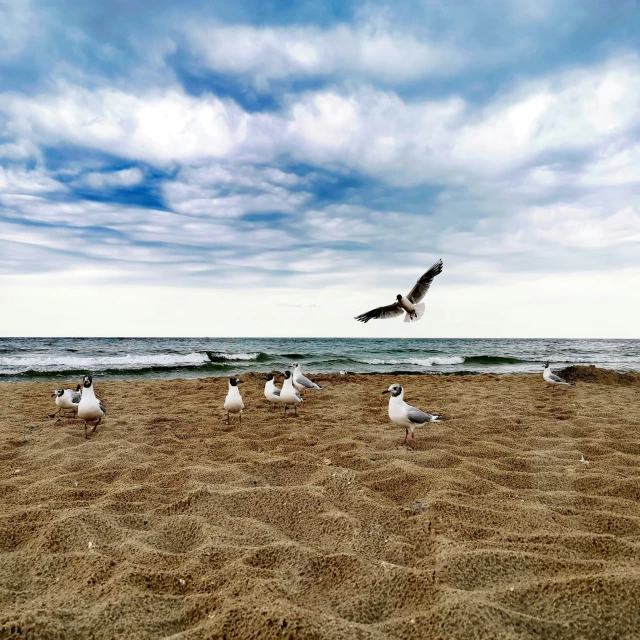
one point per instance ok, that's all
(66, 399)
(233, 402)
(90, 409)
(271, 392)
(411, 303)
(301, 382)
(405, 415)
(289, 395)
(552, 378)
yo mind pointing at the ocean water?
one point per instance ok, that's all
(128, 358)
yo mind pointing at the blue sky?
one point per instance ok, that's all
(181, 163)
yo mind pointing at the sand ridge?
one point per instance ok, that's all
(169, 523)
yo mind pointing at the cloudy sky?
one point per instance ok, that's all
(254, 168)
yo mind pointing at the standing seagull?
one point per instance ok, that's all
(411, 303)
(90, 409)
(271, 392)
(301, 382)
(233, 402)
(66, 399)
(552, 378)
(289, 395)
(405, 415)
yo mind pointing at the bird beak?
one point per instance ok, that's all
(385, 391)
(238, 381)
(53, 395)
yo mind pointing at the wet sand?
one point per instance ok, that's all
(169, 523)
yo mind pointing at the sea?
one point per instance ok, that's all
(24, 359)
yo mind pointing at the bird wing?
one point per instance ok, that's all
(555, 378)
(416, 416)
(102, 407)
(76, 397)
(381, 313)
(303, 381)
(421, 287)
(276, 392)
(298, 396)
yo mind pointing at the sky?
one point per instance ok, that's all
(268, 168)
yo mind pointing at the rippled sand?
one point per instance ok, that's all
(169, 523)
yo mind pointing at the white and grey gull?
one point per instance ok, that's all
(405, 415)
(301, 382)
(289, 395)
(411, 304)
(66, 399)
(271, 392)
(90, 408)
(552, 379)
(233, 402)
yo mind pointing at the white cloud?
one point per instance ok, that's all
(20, 181)
(113, 179)
(372, 51)
(157, 127)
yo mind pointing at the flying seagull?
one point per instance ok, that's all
(405, 415)
(552, 378)
(411, 303)
(90, 409)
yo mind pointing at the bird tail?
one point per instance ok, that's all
(419, 312)
(435, 417)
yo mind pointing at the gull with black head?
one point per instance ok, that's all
(90, 409)
(271, 392)
(411, 304)
(405, 415)
(289, 395)
(233, 402)
(66, 399)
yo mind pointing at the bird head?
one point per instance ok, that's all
(57, 392)
(395, 390)
(545, 364)
(87, 381)
(286, 374)
(270, 376)
(234, 382)
(399, 297)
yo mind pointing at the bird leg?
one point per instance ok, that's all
(295, 410)
(86, 437)
(228, 418)
(95, 426)
(241, 417)
(406, 433)
(285, 410)
(413, 440)
(53, 415)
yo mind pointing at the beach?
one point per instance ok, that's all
(167, 522)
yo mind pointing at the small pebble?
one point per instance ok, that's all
(90, 545)
(182, 582)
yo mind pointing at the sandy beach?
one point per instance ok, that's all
(169, 523)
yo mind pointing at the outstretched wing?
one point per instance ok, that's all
(381, 313)
(421, 287)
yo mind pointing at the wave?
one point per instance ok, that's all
(294, 356)
(422, 362)
(218, 356)
(91, 363)
(493, 360)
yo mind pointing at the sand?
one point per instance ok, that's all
(167, 523)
